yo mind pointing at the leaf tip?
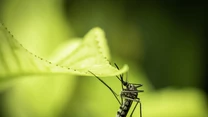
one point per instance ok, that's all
(97, 30)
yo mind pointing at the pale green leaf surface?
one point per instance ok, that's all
(40, 26)
(91, 54)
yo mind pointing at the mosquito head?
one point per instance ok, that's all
(125, 83)
(130, 86)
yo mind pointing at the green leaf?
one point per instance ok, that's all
(89, 54)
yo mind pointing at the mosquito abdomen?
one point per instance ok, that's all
(124, 108)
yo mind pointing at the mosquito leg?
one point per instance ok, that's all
(132, 99)
(135, 108)
(136, 85)
(131, 91)
(114, 93)
(121, 96)
(140, 106)
(137, 91)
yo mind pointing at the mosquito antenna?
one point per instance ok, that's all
(121, 76)
(118, 78)
(116, 65)
(114, 93)
(118, 69)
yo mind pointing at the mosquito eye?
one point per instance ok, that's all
(131, 86)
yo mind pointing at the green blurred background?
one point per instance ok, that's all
(163, 42)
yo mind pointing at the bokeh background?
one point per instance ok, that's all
(163, 42)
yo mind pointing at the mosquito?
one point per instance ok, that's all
(128, 95)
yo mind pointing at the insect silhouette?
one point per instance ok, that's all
(128, 95)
